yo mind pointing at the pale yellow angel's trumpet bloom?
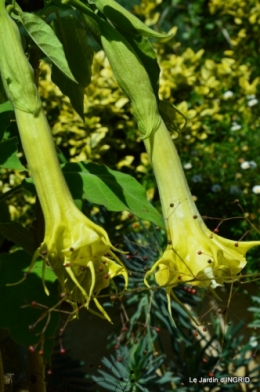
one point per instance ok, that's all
(78, 251)
(194, 254)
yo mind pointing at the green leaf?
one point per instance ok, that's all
(28, 184)
(77, 50)
(91, 23)
(43, 35)
(50, 8)
(115, 190)
(100, 185)
(12, 299)
(8, 157)
(74, 91)
(6, 107)
(18, 234)
(80, 57)
(125, 20)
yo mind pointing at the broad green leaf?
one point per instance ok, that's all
(74, 91)
(91, 22)
(77, 50)
(3, 96)
(125, 20)
(18, 234)
(79, 55)
(50, 8)
(43, 35)
(115, 190)
(100, 185)
(6, 107)
(8, 156)
(13, 315)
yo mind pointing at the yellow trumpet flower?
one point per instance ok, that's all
(194, 254)
(78, 251)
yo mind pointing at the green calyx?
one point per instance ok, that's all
(16, 72)
(133, 79)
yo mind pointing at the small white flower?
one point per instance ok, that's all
(253, 341)
(252, 96)
(256, 189)
(187, 137)
(197, 178)
(248, 165)
(245, 165)
(216, 188)
(235, 126)
(228, 94)
(187, 166)
(252, 102)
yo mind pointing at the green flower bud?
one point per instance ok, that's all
(16, 72)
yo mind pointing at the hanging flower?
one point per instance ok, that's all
(78, 251)
(194, 254)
